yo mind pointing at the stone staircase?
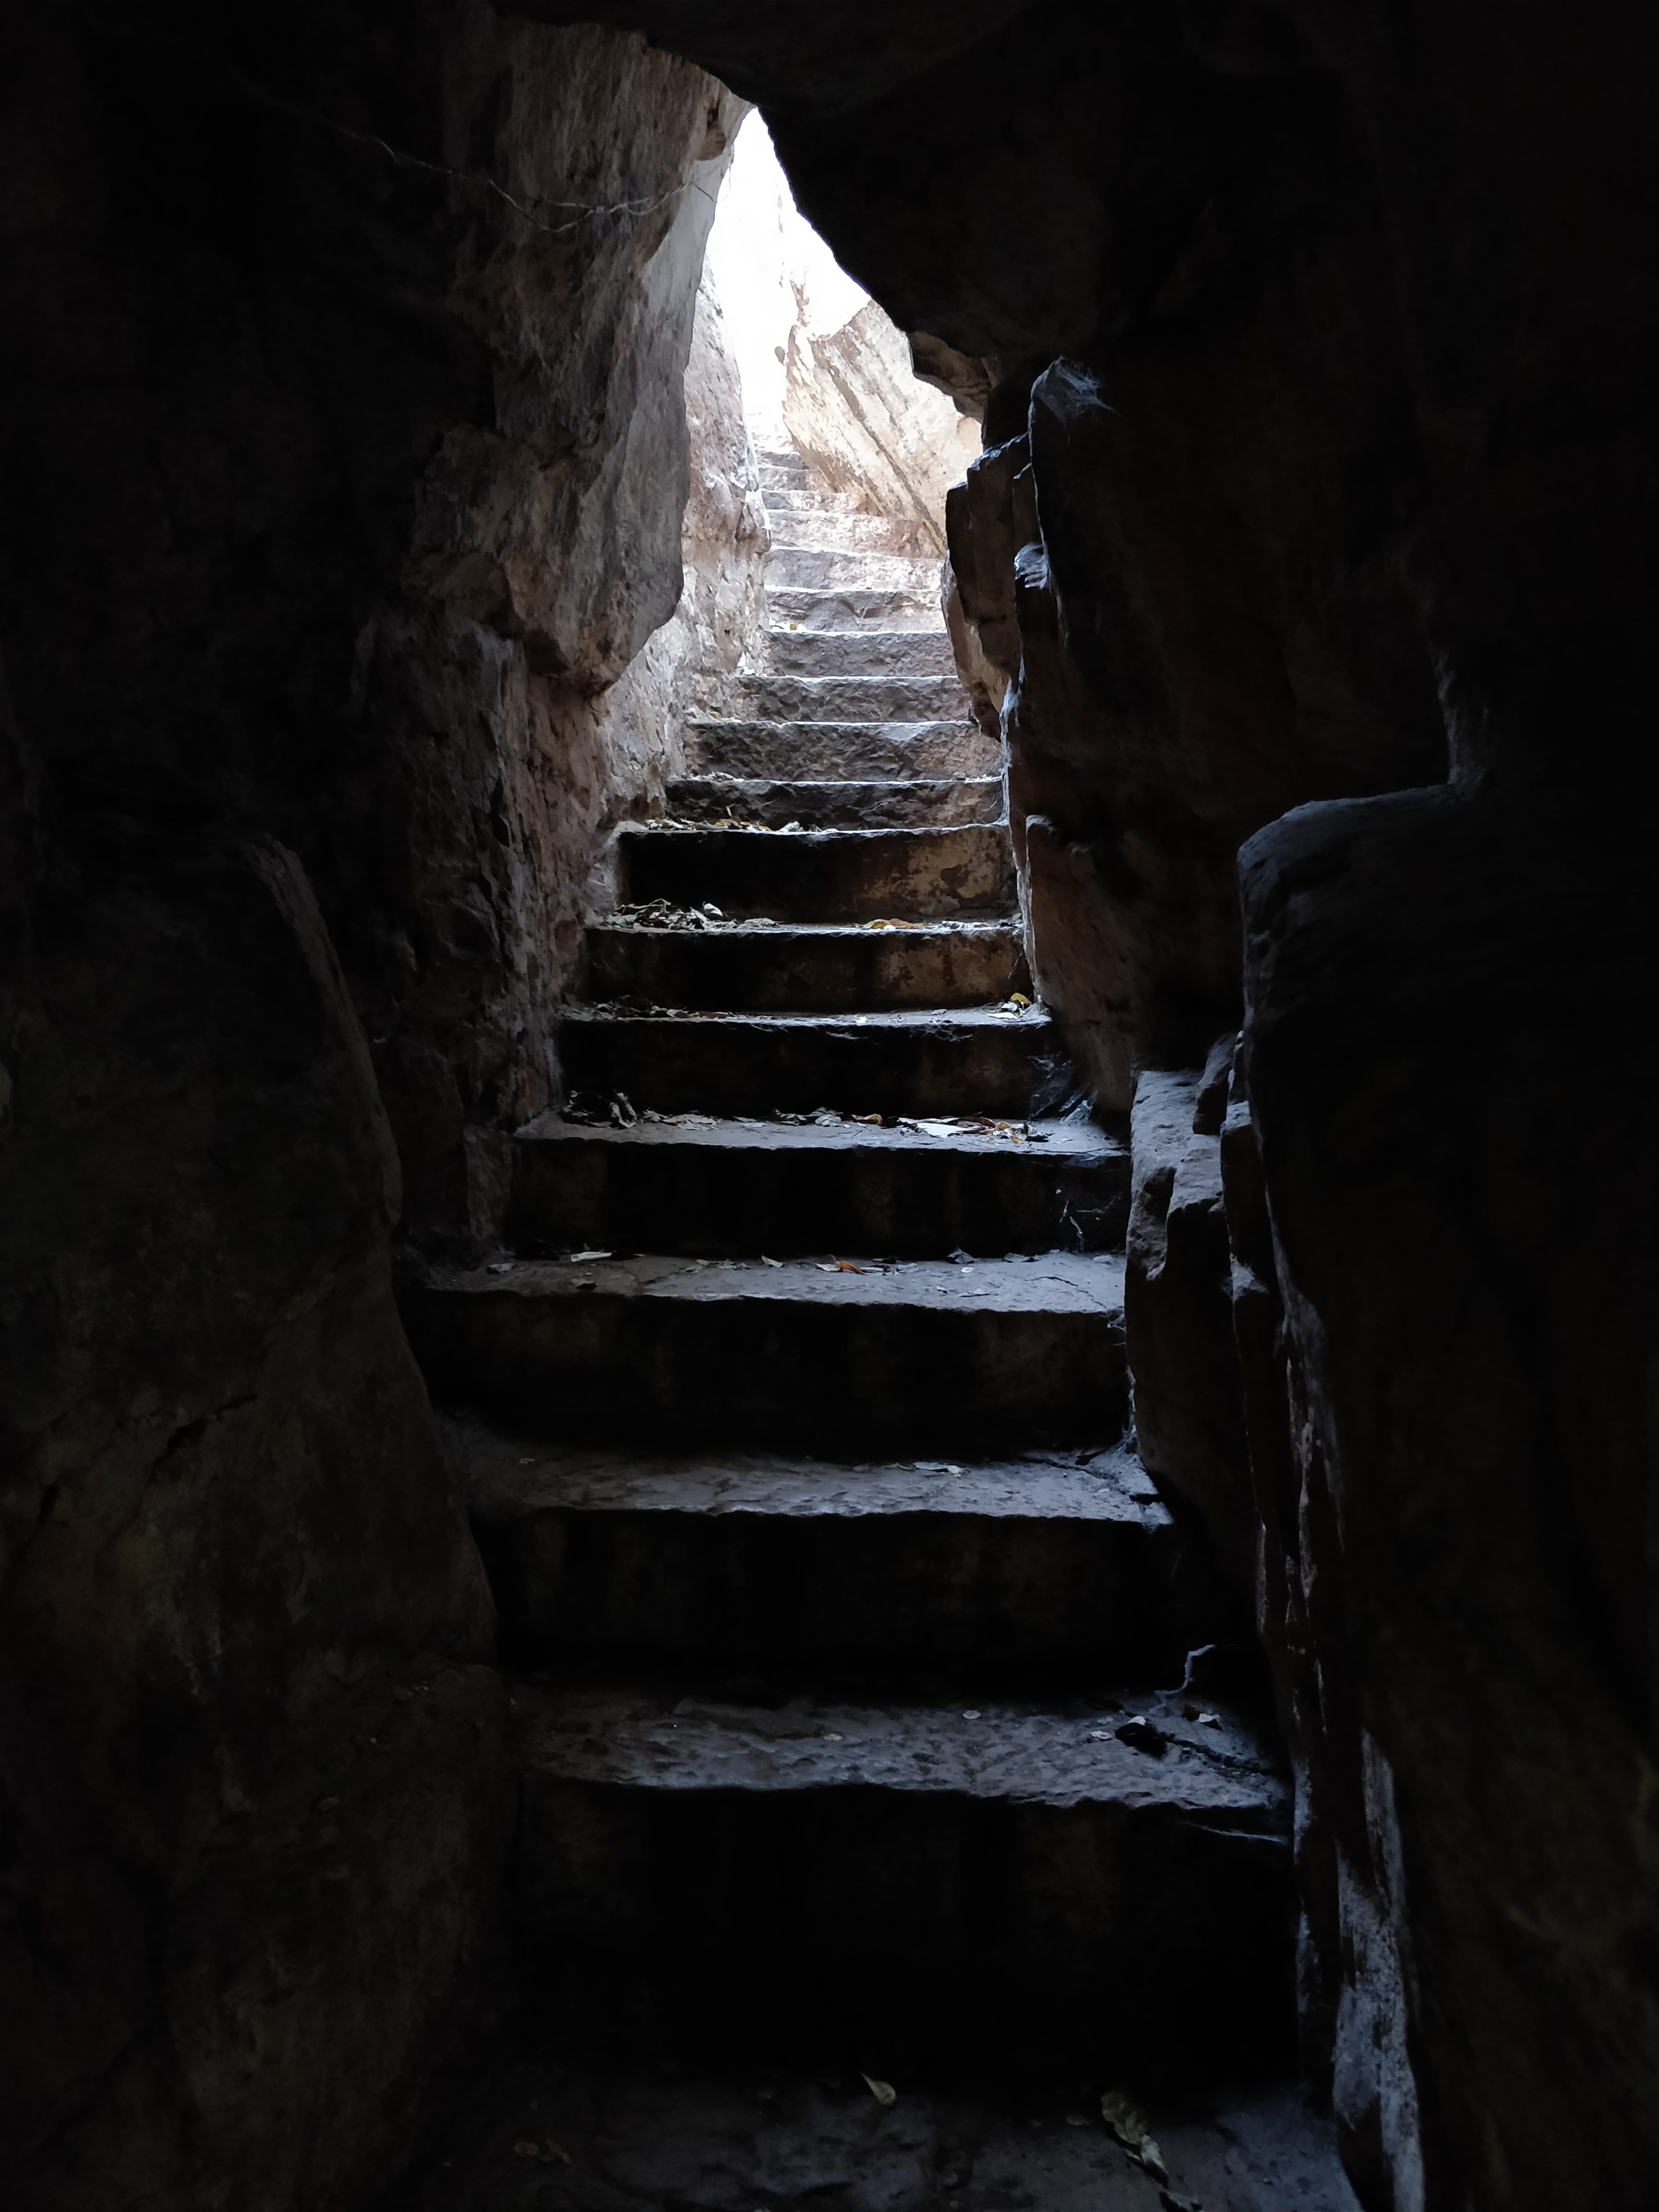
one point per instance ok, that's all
(846, 1629)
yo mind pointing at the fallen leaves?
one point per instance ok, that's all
(1128, 2123)
(884, 2092)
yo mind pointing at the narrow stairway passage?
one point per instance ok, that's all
(850, 1635)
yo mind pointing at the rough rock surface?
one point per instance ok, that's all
(338, 488)
(1177, 1307)
(633, 2140)
(857, 411)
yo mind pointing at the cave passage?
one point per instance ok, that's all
(828, 1157)
(913, 1737)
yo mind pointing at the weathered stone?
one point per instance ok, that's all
(735, 1187)
(1189, 1427)
(857, 410)
(1470, 1301)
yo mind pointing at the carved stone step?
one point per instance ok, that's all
(809, 968)
(878, 698)
(887, 653)
(821, 875)
(997, 1886)
(977, 1062)
(734, 1186)
(915, 1355)
(851, 751)
(892, 803)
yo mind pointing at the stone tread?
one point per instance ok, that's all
(832, 875)
(850, 608)
(879, 698)
(911, 1061)
(818, 751)
(509, 1473)
(816, 568)
(1017, 1753)
(793, 651)
(841, 802)
(840, 531)
(1050, 1283)
(806, 967)
(1063, 1143)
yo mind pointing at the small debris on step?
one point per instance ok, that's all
(1171, 2203)
(1128, 2123)
(1142, 1735)
(767, 1262)
(884, 2092)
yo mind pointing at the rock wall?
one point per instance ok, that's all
(1314, 342)
(854, 406)
(343, 508)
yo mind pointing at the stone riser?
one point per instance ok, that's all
(752, 1065)
(875, 653)
(893, 803)
(833, 875)
(801, 972)
(835, 698)
(838, 530)
(929, 1932)
(807, 567)
(847, 751)
(785, 1192)
(849, 1599)
(774, 1371)
(852, 609)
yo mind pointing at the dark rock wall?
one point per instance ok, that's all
(1315, 342)
(335, 493)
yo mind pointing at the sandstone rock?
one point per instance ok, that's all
(858, 411)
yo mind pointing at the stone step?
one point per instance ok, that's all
(849, 751)
(1023, 1569)
(978, 1062)
(903, 1356)
(816, 568)
(727, 1188)
(810, 968)
(843, 530)
(805, 495)
(894, 803)
(885, 653)
(850, 609)
(970, 1887)
(828, 875)
(880, 698)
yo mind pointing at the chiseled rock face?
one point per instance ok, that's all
(521, 691)
(856, 409)
(341, 496)
(1177, 1307)
(229, 1530)
(1465, 1222)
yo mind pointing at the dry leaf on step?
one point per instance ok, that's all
(1124, 2117)
(884, 2092)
